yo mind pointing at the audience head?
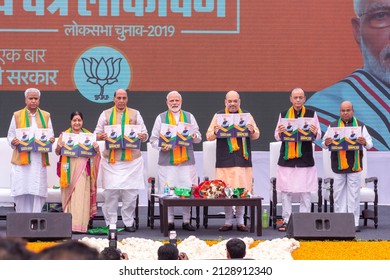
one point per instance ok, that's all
(14, 249)
(236, 248)
(168, 252)
(111, 253)
(70, 250)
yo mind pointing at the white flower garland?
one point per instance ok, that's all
(146, 249)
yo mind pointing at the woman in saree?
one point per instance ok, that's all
(78, 176)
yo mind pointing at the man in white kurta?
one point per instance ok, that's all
(121, 170)
(347, 175)
(28, 180)
(182, 173)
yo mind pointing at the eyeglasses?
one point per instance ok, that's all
(378, 18)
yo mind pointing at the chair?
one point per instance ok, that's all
(152, 174)
(275, 196)
(367, 195)
(209, 159)
(6, 200)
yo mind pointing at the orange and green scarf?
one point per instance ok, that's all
(342, 155)
(126, 153)
(179, 154)
(233, 144)
(25, 122)
(65, 162)
(293, 149)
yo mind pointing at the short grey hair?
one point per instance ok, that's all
(357, 7)
(173, 92)
(34, 90)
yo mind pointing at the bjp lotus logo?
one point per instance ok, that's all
(102, 72)
(99, 72)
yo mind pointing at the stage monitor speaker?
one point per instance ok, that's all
(321, 226)
(39, 226)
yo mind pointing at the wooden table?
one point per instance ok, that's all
(169, 201)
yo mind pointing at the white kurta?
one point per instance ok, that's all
(120, 181)
(346, 186)
(181, 176)
(121, 174)
(32, 178)
(176, 175)
(127, 175)
(297, 179)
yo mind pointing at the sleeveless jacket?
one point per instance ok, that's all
(307, 159)
(164, 157)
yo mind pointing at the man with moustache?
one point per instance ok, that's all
(234, 158)
(176, 166)
(121, 170)
(367, 88)
(28, 169)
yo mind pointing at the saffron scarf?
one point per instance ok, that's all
(65, 165)
(342, 155)
(25, 122)
(293, 149)
(126, 153)
(233, 144)
(179, 154)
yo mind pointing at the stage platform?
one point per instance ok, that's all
(212, 233)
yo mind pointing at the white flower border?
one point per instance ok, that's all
(146, 249)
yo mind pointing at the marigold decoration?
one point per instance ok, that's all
(342, 250)
(272, 249)
(36, 247)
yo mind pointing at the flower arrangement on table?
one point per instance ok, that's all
(212, 189)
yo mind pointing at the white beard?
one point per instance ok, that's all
(377, 67)
(175, 110)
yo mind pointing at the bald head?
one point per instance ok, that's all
(232, 101)
(297, 98)
(232, 94)
(346, 111)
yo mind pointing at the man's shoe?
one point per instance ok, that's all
(188, 226)
(130, 229)
(242, 228)
(226, 228)
(357, 229)
(171, 226)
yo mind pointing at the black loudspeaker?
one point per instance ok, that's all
(321, 226)
(39, 226)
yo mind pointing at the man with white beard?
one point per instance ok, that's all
(367, 88)
(176, 166)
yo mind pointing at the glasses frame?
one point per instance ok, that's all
(370, 17)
